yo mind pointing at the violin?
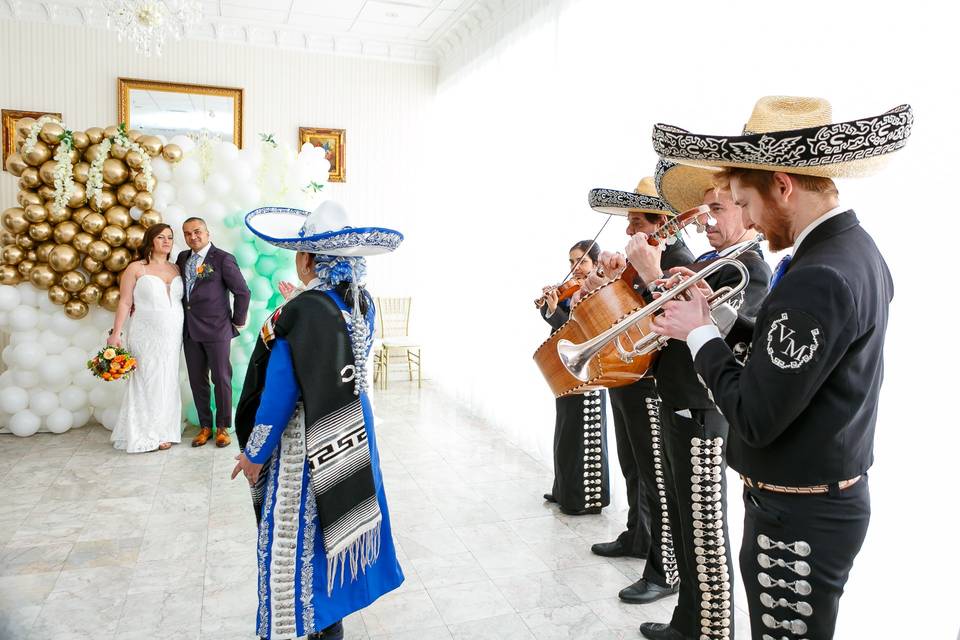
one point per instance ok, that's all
(565, 291)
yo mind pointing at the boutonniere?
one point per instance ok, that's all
(204, 271)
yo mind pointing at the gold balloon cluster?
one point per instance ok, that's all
(77, 252)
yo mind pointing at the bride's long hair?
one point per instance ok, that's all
(145, 252)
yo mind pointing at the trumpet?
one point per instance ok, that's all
(576, 357)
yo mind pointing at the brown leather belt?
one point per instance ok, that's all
(815, 489)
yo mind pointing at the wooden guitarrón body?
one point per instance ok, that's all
(593, 314)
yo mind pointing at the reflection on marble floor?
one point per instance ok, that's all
(98, 544)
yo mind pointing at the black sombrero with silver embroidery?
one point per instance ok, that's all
(794, 135)
(643, 199)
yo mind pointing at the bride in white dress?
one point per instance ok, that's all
(149, 417)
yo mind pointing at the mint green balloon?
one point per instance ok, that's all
(246, 256)
(192, 416)
(260, 289)
(265, 248)
(267, 265)
(232, 221)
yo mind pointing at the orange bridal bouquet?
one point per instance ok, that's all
(112, 363)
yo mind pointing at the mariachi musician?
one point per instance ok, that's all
(635, 417)
(581, 478)
(803, 407)
(694, 431)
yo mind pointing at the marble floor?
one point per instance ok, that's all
(98, 544)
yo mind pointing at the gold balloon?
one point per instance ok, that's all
(118, 216)
(64, 258)
(134, 237)
(29, 197)
(90, 294)
(94, 223)
(47, 193)
(15, 220)
(24, 125)
(34, 213)
(79, 214)
(150, 218)
(42, 276)
(143, 200)
(113, 235)
(118, 151)
(111, 131)
(65, 232)
(74, 156)
(142, 183)
(51, 132)
(92, 266)
(40, 231)
(134, 159)
(12, 254)
(25, 242)
(76, 309)
(55, 214)
(107, 199)
(103, 279)
(77, 195)
(125, 194)
(81, 172)
(48, 172)
(9, 275)
(95, 135)
(82, 241)
(38, 155)
(110, 299)
(135, 134)
(30, 178)
(43, 251)
(99, 250)
(172, 153)
(151, 144)
(80, 140)
(118, 259)
(25, 267)
(115, 172)
(32, 255)
(73, 281)
(7, 237)
(58, 295)
(91, 153)
(16, 164)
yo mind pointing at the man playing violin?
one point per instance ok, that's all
(803, 407)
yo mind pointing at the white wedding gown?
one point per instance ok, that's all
(150, 410)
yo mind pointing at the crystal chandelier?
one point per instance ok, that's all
(147, 23)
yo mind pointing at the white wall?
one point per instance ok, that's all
(74, 70)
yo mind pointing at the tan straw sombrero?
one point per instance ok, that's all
(682, 187)
(794, 135)
(643, 199)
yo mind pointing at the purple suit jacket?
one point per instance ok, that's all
(207, 315)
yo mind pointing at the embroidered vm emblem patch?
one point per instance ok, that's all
(793, 340)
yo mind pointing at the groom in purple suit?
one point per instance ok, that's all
(209, 325)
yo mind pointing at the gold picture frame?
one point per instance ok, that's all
(173, 108)
(9, 118)
(334, 141)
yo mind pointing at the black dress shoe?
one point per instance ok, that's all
(660, 631)
(615, 549)
(549, 497)
(643, 592)
(333, 632)
(582, 512)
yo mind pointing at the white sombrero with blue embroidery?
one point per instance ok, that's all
(325, 230)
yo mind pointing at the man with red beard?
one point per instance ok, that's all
(803, 408)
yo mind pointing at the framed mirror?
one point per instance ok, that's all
(170, 109)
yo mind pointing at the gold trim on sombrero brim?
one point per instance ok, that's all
(849, 149)
(683, 187)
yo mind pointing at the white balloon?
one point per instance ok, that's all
(217, 184)
(186, 144)
(28, 294)
(73, 398)
(108, 417)
(7, 355)
(6, 379)
(63, 326)
(242, 173)
(29, 356)
(55, 341)
(59, 421)
(54, 372)
(225, 153)
(5, 317)
(161, 170)
(14, 399)
(175, 212)
(24, 318)
(84, 380)
(247, 195)
(43, 403)
(136, 212)
(100, 396)
(164, 191)
(76, 358)
(214, 213)
(186, 172)
(191, 196)
(26, 379)
(9, 298)
(24, 423)
(81, 417)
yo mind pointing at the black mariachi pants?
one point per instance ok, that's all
(581, 477)
(636, 422)
(695, 462)
(796, 556)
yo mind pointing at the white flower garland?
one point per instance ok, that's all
(31, 140)
(63, 175)
(203, 152)
(95, 176)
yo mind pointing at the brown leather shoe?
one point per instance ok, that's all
(202, 437)
(222, 438)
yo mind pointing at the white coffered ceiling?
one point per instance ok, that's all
(410, 30)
